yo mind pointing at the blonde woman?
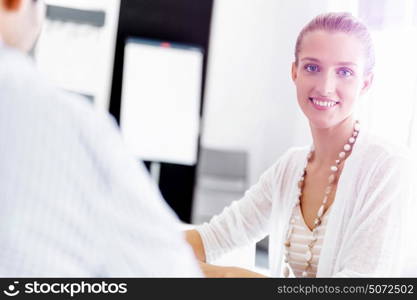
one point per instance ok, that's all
(340, 207)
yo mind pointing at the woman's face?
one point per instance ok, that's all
(329, 76)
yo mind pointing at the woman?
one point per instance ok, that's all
(339, 207)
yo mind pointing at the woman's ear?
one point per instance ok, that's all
(368, 79)
(294, 71)
(12, 5)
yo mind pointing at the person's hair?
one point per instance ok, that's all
(340, 22)
(10, 4)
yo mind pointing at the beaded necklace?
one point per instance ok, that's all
(317, 221)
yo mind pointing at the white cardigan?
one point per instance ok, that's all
(371, 230)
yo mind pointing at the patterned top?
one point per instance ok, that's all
(300, 238)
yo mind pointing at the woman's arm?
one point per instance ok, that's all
(194, 239)
(241, 223)
(213, 271)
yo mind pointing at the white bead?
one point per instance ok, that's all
(320, 212)
(308, 255)
(355, 133)
(347, 147)
(304, 274)
(342, 154)
(357, 127)
(325, 199)
(337, 161)
(286, 272)
(331, 178)
(351, 140)
(327, 190)
(333, 168)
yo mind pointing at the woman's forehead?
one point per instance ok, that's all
(332, 48)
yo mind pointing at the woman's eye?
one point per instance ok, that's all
(345, 72)
(311, 68)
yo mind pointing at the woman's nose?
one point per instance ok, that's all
(327, 84)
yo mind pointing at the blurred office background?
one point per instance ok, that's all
(239, 112)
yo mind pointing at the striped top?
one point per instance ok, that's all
(300, 238)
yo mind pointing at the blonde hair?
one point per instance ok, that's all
(341, 22)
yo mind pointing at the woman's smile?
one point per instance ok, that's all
(322, 103)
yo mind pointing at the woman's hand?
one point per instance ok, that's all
(213, 271)
(193, 238)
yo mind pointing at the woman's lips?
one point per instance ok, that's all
(322, 104)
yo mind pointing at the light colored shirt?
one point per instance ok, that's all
(74, 203)
(300, 239)
(371, 227)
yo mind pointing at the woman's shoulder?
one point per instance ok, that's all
(289, 161)
(295, 155)
(376, 147)
(377, 154)
(384, 167)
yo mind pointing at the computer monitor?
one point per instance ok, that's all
(160, 103)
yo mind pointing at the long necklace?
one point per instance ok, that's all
(317, 221)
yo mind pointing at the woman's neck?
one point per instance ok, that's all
(329, 142)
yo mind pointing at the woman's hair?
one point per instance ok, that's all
(341, 22)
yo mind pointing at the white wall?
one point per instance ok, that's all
(250, 99)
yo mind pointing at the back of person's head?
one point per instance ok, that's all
(20, 22)
(340, 22)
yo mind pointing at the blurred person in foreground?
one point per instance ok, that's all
(73, 202)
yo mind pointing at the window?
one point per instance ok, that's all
(390, 108)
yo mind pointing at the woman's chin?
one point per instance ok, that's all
(322, 123)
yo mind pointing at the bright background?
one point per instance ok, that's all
(250, 103)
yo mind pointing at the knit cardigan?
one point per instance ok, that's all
(371, 230)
